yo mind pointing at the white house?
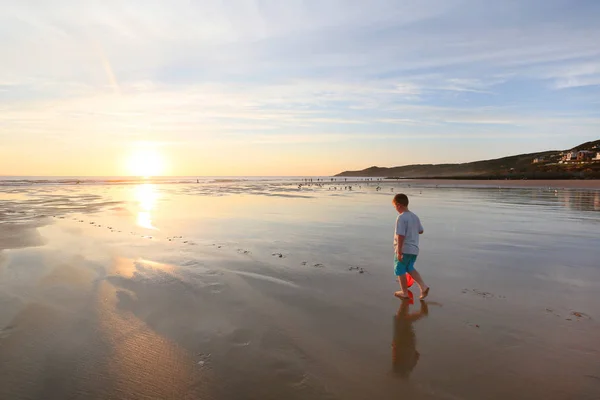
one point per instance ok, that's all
(597, 158)
(570, 156)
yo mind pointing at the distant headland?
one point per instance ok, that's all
(580, 162)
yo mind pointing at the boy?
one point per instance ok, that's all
(406, 246)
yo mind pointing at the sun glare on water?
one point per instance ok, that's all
(146, 196)
(146, 162)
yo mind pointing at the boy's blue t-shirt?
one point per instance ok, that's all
(409, 226)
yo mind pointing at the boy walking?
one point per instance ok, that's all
(406, 246)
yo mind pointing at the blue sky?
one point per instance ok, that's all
(292, 87)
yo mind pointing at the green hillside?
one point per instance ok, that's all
(514, 167)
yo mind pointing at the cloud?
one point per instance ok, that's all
(296, 72)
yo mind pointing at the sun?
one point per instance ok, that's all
(145, 162)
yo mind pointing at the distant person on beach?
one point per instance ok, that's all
(406, 247)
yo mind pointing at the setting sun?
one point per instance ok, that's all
(145, 162)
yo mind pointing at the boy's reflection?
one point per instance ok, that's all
(404, 352)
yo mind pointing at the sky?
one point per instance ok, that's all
(294, 87)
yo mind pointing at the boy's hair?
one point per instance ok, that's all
(401, 199)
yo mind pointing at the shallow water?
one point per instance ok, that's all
(249, 289)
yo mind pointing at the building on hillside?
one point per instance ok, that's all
(538, 160)
(585, 155)
(570, 156)
(597, 158)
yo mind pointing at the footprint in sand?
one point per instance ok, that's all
(360, 270)
(216, 288)
(240, 337)
(303, 263)
(242, 251)
(279, 255)
(318, 265)
(6, 331)
(288, 372)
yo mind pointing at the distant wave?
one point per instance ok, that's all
(227, 180)
(112, 180)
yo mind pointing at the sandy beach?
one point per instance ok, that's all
(267, 290)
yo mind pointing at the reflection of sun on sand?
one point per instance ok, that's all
(146, 195)
(126, 267)
(143, 362)
(73, 339)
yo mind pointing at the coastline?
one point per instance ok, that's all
(590, 184)
(508, 183)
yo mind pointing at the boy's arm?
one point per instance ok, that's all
(400, 243)
(421, 230)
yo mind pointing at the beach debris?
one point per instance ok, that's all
(203, 359)
(477, 292)
(580, 315)
(279, 255)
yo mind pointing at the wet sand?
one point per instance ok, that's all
(592, 184)
(254, 291)
(522, 183)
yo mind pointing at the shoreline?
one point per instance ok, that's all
(486, 183)
(507, 183)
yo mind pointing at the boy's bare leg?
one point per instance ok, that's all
(403, 285)
(417, 277)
